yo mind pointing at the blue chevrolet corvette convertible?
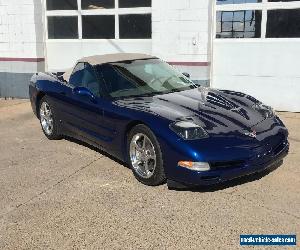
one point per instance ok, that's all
(142, 111)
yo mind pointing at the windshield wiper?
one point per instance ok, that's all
(148, 94)
(153, 93)
(141, 95)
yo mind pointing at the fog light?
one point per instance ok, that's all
(197, 166)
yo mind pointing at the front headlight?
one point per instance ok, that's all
(188, 130)
(264, 110)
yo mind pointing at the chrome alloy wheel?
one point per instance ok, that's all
(142, 155)
(46, 118)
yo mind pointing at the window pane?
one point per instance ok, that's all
(98, 27)
(283, 23)
(62, 27)
(76, 76)
(134, 3)
(135, 26)
(238, 16)
(219, 2)
(227, 15)
(239, 24)
(97, 4)
(90, 81)
(62, 5)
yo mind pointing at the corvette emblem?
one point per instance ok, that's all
(251, 134)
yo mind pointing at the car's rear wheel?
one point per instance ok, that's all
(47, 119)
(145, 156)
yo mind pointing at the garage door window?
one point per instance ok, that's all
(98, 27)
(135, 26)
(257, 19)
(62, 27)
(97, 4)
(62, 5)
(219, 2)
(134, 4)
(238, 24)
(283, 23)
(99, 19)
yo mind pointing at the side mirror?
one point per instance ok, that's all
(186, 74)
(82, 91)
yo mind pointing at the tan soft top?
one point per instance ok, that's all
(107, 58)
(110, 58)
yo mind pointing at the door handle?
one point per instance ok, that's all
(62, 93)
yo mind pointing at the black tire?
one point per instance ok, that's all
(55, 134)
(158, 177)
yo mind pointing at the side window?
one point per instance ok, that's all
(90, 80)
(115, 80)
(77, 75)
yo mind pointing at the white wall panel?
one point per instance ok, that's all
(266, 69)
(181, 33)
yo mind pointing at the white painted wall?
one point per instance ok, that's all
(21, 33)
(21, 28)
(180, 33)
(265, 68)
(176, 24)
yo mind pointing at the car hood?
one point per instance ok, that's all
(217, 111)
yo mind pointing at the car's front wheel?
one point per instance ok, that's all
(145, 156)
(47, 119)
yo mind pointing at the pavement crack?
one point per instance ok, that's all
(52, 186)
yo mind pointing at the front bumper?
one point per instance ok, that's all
(192, 178)
(231, 155)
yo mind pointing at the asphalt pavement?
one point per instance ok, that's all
(66, 195)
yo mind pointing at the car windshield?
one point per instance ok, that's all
(147, 77)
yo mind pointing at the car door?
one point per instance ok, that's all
(84, 113)
(65, 105)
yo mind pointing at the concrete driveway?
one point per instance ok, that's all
(62, 195)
